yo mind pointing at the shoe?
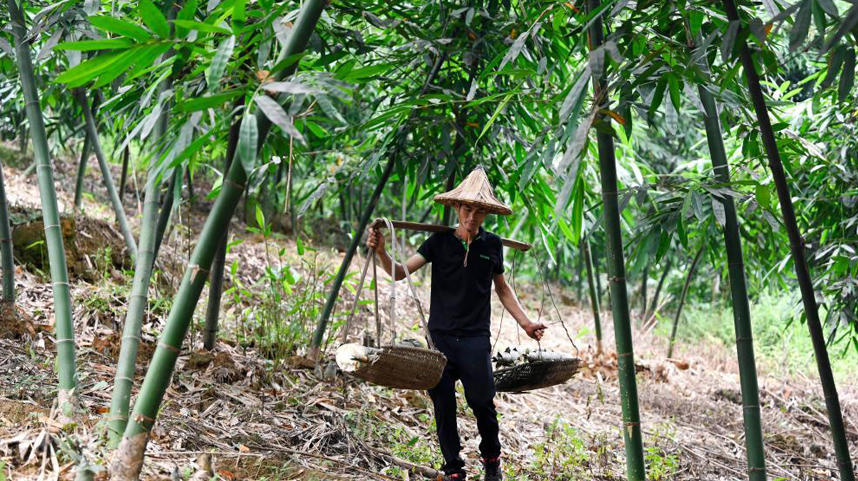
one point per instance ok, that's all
(492, 469)
(459, 476)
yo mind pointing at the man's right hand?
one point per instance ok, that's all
(375, 241)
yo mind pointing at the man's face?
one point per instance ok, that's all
(470, 217)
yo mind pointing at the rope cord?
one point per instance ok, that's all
(347, 326)
(398, 252)
(551, 296)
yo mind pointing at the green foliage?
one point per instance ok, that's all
(780, 338)
(562, 454)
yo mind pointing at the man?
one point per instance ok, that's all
(465, 264)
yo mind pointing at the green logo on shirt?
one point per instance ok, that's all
(485, 257)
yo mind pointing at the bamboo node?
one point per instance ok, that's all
(234, 184)
(624, 354)
(196, 270)
(170, 348)
(143, 420)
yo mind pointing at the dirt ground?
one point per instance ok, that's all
(235, 414)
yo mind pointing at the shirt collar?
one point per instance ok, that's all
(481, 234)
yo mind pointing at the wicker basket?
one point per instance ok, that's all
(535, 374)
(403, 367)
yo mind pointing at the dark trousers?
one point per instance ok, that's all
(468, 359)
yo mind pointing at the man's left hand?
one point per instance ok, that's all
(535, 330)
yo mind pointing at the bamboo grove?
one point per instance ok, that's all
(589, 115)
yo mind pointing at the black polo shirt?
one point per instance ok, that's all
(461, 295)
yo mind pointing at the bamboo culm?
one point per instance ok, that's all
(81, 173)
(165, 211)
(50, 214)
(632, 437)
(594, 296)
(682, 295)
(92, 133)
(138, 300)
(655, 297)
(7, 258)
(219, 263)
(399, 141)
(124, 176)
(128, 460)
(739, 296)
(823, 364)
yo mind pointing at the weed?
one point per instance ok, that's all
(562, 455)
(659, 464)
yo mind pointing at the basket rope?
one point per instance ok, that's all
(370, 257)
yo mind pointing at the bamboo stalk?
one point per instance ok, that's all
(143, 266)
(128, 460)
(7, 257)
(739, 297)
(124, 176)
(166, 210)
(399, 143)
(219, 263)
(654, 305)
(685, 286)
(832, 401)
(594, 297)
(50, 215)
(617, 277)
(643, 288)
(119, 212)
(81, 173)
(124, 380)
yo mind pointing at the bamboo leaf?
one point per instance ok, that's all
(218, 65)
(49, 45)
(597, 62)
(120, 27)
(784, 14)
(116, 68)
(154, 19)
(801, 26)
(6, 47)
(575, 93)
(657, 97)
(90, 45)
(835, 62)
(185, 14)
(290, 88)
(200, 26)
(675, 96)
(513, 51)
(210, 101)
(718, 210)
(729, 40)
(496, 114)
(277, 116)
(92, 68)
(764, 196)
(846, 26)
(247, 139)
(829, 8)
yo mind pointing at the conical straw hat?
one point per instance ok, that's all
(477, 191)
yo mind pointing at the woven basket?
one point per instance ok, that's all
(403, 367)
(535, 374)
